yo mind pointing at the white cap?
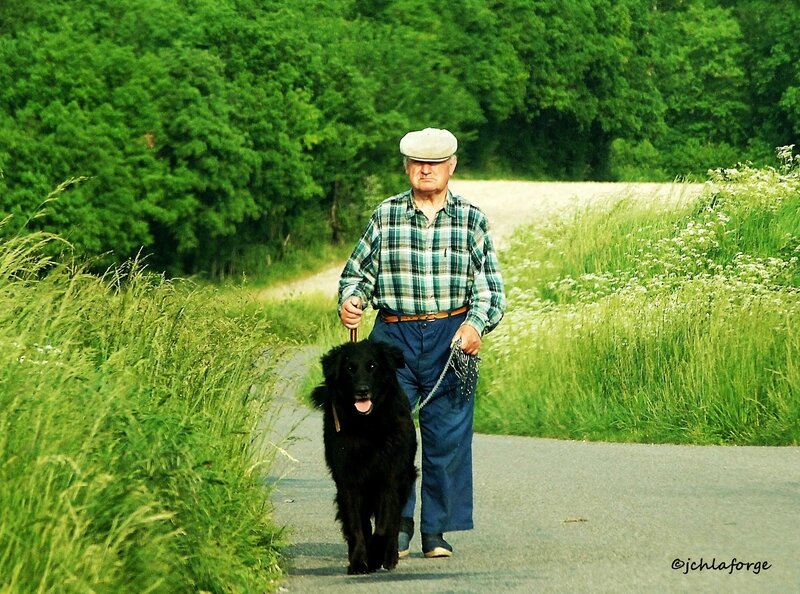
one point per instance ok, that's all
(432, 145)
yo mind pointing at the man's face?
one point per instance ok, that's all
(430, 178)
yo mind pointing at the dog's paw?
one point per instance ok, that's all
(390, 562)
(359, 567)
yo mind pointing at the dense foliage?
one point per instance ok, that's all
(219, 134)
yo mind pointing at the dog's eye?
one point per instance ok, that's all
(351, 368)
(371, 365)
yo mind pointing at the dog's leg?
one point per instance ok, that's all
(366, 524)
(376, 538)
(383, 546)
(387, 520)
(352, 529)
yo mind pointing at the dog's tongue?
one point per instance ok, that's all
(363, 406)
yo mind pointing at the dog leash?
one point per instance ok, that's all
(336, 423)
(466, 369)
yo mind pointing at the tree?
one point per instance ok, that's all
(771, 58)
(701, 76)
(587, 83)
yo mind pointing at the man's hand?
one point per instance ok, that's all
(351, 313)
(470, 339)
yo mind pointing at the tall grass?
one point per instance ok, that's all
(126, 407)
(304, 320)
(634, 323)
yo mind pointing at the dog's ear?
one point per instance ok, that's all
(393, 355)
(319, 396)
(330, 363)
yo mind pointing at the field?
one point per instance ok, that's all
(629, 323)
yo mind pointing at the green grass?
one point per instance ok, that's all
(632, 323)
(305, 320)
(295, 263)
(127, 405)
(702, 364)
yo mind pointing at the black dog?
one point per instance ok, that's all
(370, 445)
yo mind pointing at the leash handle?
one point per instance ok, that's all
(454, 348)
(354, 331)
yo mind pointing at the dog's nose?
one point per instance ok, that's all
(362, 391)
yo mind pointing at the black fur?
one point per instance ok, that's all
(371, 457)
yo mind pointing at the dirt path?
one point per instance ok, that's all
(558, 516)
(509, 204)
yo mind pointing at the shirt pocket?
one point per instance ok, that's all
(455, 261)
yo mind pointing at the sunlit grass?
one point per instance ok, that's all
(127, 405)
(631, 323)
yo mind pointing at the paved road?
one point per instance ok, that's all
(560, 516)
(565, 516)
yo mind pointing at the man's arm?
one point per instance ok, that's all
(357, 281)
(487, 299)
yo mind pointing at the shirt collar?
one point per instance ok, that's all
(449, 205)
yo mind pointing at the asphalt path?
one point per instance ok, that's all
(561, 516)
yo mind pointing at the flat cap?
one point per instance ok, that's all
(432, 145)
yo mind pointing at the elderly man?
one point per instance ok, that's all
(426, 261)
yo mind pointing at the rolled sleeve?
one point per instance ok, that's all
(360, 270)
(487, 298)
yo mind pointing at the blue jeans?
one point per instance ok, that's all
(445, 422)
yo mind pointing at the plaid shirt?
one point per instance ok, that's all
(405, 265)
